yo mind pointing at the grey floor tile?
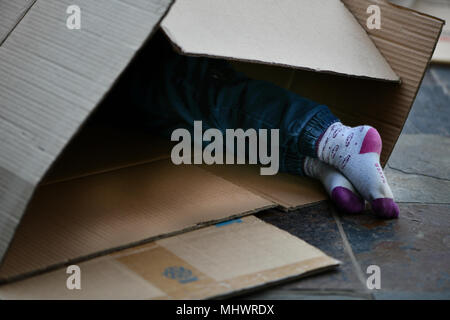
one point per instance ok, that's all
(419, 169)
(317, 226)
(417, 188)
(430, 113)
(412, 252)
(422, 154)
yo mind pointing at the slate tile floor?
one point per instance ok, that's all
(412, 252)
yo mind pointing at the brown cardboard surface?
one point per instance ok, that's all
(298, 34)
(101, 149)
(86, 216)
(286, 190)
(210, 262)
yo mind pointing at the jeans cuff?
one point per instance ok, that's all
(293, 163)
(313, 131)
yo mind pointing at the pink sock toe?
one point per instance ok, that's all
(385, 208)
(346, 200)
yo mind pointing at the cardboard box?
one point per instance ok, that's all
(100, 196)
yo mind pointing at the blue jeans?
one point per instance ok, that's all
(167, 91)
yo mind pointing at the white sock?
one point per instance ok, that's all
(337, 186)
(356, 153)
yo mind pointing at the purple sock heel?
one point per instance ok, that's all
(385, 208)
(346, 200)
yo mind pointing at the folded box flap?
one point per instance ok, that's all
(52, 78)
(314, 35)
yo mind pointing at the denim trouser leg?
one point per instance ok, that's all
(178, 90)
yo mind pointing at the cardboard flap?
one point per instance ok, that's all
(219, 260)
(52, 78)
(88, 216)
(314, 35)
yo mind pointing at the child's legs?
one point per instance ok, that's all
(180, 90)
(191, 89)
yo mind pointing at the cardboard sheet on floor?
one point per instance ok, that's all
(80, 217)
(288, 191)
(220, 260)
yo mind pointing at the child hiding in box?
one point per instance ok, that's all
(168, 91)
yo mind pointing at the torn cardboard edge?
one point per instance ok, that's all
(213, 262)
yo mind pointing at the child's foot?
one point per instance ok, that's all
(356, 153)
(337, 186)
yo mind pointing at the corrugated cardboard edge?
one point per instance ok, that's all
(270, 284)
(241, 282)
(348, 4)
(131, 245)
